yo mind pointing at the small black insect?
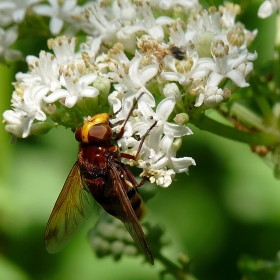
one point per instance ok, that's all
(177, 53)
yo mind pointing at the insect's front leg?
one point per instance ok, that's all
(134, 157)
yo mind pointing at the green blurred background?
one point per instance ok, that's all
(227, 208)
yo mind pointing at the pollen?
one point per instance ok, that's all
(233, 8)
(236, 37)
(116, 50)
(152, 48)
(220, 49)
(184, 66)
(19, 89)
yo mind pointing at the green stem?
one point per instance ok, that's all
(205, 123)
(249, 117)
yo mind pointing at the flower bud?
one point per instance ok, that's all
(181, 118)
(41, 128)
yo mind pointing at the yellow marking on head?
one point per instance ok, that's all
(97, 119)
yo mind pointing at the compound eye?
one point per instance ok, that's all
(78, 134)
(99, 133)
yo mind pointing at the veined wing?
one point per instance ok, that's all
(125, 212)
(71, 210)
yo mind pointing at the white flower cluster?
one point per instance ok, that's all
(183, 64)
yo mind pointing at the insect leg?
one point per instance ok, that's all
(120, 135)
(134, 157)
(132, 178)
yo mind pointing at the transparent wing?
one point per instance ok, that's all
(71, 210)
(126, 214)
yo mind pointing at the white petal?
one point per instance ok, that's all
(170, 76)
(11, 35)
(60, 93)
(134, 29)
(176, 130)
(145, 108)
(214, 79)
(114, 102)
(69, 6)
(44, 10)
(87, 79)
(267, 8)
(154, 138)
(70, 101)
(147, 96)
(55, 25)
(148, 72)
(141, 128)
(163, 20)
(166, 143)
(213, 100)
(40, 116)
(156, 33)
(237, 78)
(27, 126)
(18, 15)
(165, 4)
(252, 56)
(182, 164)
(199, 100)
(165, 108)
(160, 163)
(89, 92)
(7, 5)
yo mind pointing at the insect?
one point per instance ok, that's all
(177, 53)
(98, 173)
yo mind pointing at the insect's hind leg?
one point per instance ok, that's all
(132, 178)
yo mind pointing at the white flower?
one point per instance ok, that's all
(211, 96)
(106, 30)
(163, 110)
(43, 71)
(7, 38)
(171, 89)
(28, 100)
(76, 88)
(149, 24)
(268, 7)
(187, 5)
(203, 23)
(58, 11)
(17, 8)
(168, 157)
(133, 78)
(14, 122)
(183, 71)
(229, 13)
(64, 50)
(155, 167)
(179, 165)
(163, 177)
(224, 65)
(115, 101)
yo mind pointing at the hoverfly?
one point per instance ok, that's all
(98, 173)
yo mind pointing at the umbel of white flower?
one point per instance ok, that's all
(180, 67)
